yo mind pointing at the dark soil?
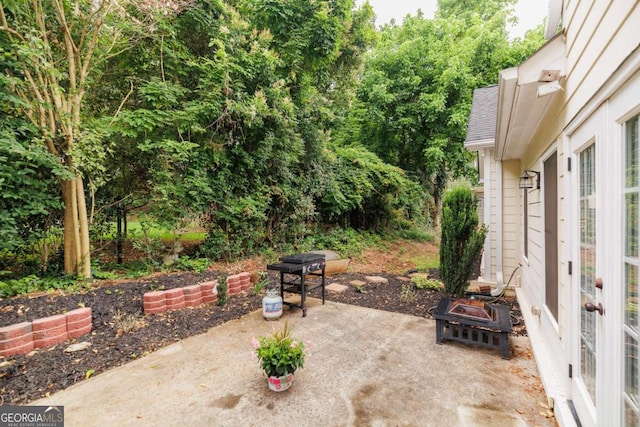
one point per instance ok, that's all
(121, 332)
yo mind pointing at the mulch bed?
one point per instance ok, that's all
(121, 332)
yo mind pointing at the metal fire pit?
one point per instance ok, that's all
(473, 322)
(294, 269)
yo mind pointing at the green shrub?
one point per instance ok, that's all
(461, 241)
(33, 283)
(425, 283)
(191, 264)
(222, 290)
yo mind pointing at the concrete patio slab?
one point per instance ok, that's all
(367, 368)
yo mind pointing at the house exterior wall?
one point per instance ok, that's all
(511, 219)
(493, 223)
(600, 36)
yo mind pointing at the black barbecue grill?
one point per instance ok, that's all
(294, 271)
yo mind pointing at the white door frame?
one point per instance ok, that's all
(591, 132)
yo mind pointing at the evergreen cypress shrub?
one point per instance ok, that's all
(461, 240)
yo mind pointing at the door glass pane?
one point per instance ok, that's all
(631, 152)
(588, 337)
(631, 297)
(631, 223)
(631, 393)
(631, 369)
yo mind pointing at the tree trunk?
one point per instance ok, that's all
(84, 269)
(76, 230)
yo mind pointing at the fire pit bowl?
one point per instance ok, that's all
(473, 309)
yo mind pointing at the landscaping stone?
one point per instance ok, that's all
(336, 287)
(77, 347)
(357, 283)
(376, 279)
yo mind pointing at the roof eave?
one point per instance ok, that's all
(525, 96)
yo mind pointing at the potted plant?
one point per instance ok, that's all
(279, 355)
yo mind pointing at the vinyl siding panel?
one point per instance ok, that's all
(511, 225)
(598, 41)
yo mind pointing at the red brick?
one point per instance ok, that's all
(245, 275)
(78, 332)
(155, 305)
(51, 332)
(24, 349)
(175, 303)
(207, 288)
(189, 302)
(234, 291)
(245, 283)
(78, 314)
(176, 300)
(173, 293)
(209, 299)
(49, 322)
(233, 279)
(190, 290)
(78, 324)
(50, 340)
(13, 331)
(16, 342)
(154, 296)
(155, 310)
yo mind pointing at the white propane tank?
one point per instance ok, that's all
(272, 305)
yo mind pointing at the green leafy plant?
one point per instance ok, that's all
(408, 293)
(33, 283)
(280, 354)
(191, 264)
(359, 289)
(222, 290)
(260, 284)
(462, 240)
(423, 283)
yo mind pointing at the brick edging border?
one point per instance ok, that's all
(23, 337)
(155, 302)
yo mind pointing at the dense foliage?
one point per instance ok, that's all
(461, 240)
(415, 95)
(264, 121)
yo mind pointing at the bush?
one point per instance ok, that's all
(423, 283)
(461, 240)
(222, 290)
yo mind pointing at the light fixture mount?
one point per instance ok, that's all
(527, 180)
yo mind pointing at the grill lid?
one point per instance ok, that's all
(302, 258)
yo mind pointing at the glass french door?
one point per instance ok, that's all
(631, 265)
(588, 360)
(588, 330)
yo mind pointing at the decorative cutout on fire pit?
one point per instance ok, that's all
(472, 309)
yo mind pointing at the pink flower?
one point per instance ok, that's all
(308, 344)
(255, 343)
(294, 344)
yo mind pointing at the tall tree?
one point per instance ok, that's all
(417, 87)
(57, 48)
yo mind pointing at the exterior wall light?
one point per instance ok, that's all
(527, 178)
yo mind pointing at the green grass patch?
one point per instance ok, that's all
(427, 261)
(154, 231)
